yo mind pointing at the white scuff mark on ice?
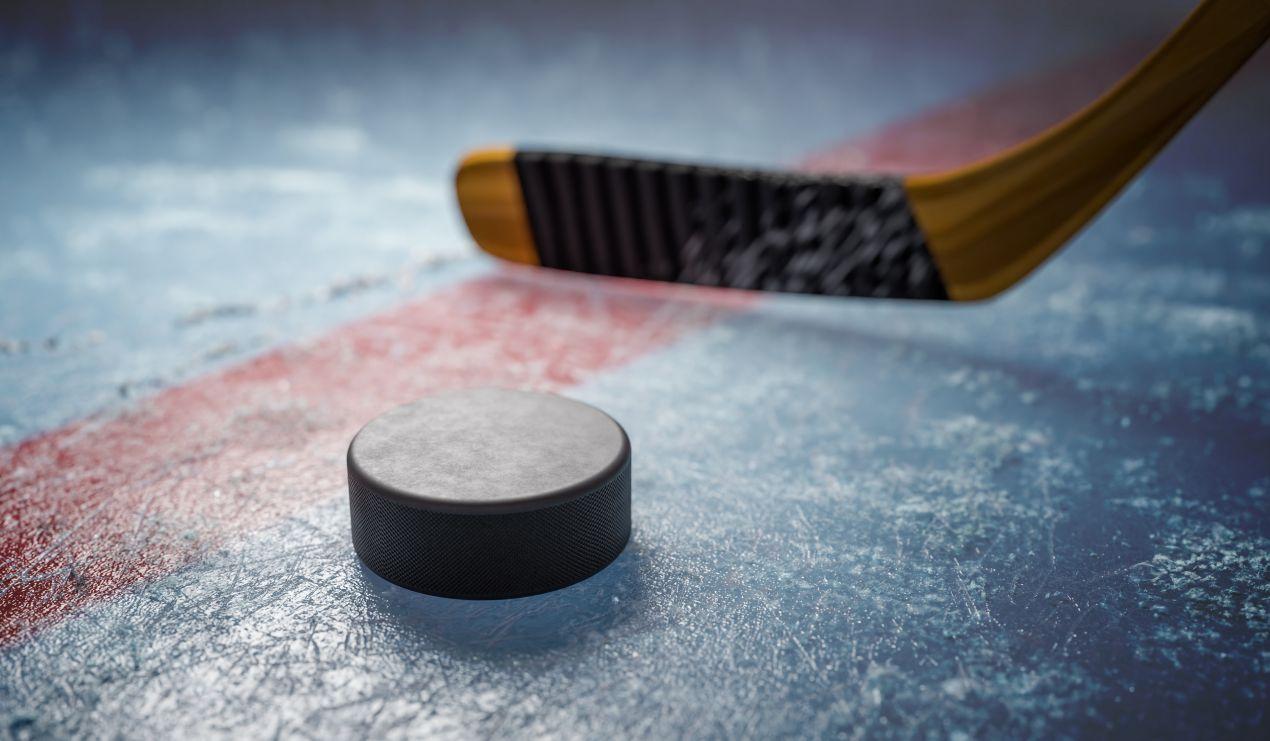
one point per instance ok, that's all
(167, 182)
(1219, 322)
(326, 140)
(1249, 221)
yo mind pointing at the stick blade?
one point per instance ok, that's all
(698, 224)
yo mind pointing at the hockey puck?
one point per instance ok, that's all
(490, 493)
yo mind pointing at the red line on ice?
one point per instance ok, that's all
(962, 131)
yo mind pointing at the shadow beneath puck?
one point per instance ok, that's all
(574, 615)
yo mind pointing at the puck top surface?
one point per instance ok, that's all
(485, 451)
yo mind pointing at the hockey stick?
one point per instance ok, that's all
(963, 235)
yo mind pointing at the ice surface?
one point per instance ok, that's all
(1042, 516)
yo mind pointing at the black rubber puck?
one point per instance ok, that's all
(490, 493)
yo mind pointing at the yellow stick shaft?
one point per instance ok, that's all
(991, 223)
